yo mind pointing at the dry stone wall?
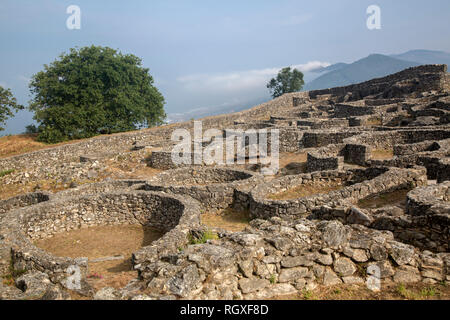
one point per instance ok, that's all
(380, 180)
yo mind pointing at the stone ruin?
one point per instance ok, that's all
(336, 234)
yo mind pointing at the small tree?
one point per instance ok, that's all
(8, 105)
(94, 90)
(286, 81)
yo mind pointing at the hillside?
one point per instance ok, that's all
(373, 66)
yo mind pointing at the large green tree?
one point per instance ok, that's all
(8, 105)
(94, 90)
(286, 81)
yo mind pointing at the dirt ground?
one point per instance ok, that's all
(395, 198)
(293, 163)
(228, 219)
(382, 154)
(101, 242)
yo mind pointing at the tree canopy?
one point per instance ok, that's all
(8, 105)
(91, 91)
(285, 82)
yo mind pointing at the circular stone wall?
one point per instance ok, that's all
(357, 184)
(213, 187)
(106, 186)
(90, 188)
(23, 201)
(171, 214)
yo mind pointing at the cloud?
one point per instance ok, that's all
(240, 80)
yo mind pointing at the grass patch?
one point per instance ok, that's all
(308, 295)
(402, 291)
(13, 273)
(204, 237)
(424, 293)
(273, 279)
(429, 292)
(6, 172)
(361, 270)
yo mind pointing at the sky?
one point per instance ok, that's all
(204, 53)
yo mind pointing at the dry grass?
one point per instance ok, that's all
(293, 163)
(395, 198)
(11, 190)
(288, 158)
(51, 185)
(228, 219)
(99, 242)
(14, 145)
(382, 154)
(374, 122)
(361, 292)
(24, 143)
(307, 190)
(130, 166)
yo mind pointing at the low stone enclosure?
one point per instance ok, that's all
(356, 185)
(171, 214)
(214, 187)
(354, 217)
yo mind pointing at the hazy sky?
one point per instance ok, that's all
(207, 53)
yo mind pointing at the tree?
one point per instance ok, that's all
(286, 81)
(8, 104)
(91, 91)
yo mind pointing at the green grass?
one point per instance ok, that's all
(205, 236)
(12, 274)
(6, 172)
(273, 279)
(402, 291)
(428, 292)
(307, 294)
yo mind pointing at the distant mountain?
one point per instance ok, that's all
(373, 66)
(333, 67)
(425, 57)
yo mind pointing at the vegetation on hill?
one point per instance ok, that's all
(94, 90)
(286, 81)
(8, 105)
